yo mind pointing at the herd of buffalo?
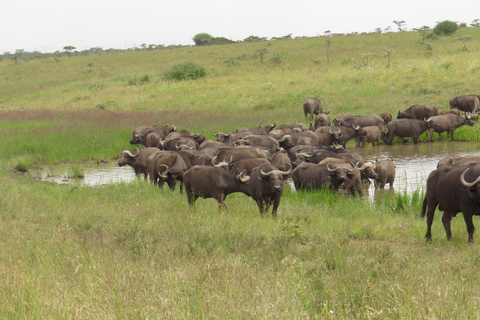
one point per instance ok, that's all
(257, 161)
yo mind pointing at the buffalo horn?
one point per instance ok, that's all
(283, 173)
(215, 134)
(285, 137)
(243, 178)
(328, 167)
(306, 155)
(163, 176)
(131, 154)
(427, 120)
(366, 165)
(468, 184)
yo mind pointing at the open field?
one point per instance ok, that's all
(130, 251)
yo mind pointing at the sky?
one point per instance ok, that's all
(50, 25)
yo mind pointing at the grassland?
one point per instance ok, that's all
(130, 251)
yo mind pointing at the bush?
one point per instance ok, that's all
(202, 39)
(185, 71)
(445, 28)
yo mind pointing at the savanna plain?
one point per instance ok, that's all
(131, 251)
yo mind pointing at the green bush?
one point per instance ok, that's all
(202, 39)
(445, 28)
(185, 71)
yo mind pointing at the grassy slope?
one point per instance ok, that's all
(130, 251)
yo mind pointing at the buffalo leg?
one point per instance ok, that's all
(221, 201)
(470, 227)
(430, 134)
(191, 198)
(430, 215)
(261, 206)
(446, 219)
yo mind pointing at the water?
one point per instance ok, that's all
(415, 162)
(413, 165)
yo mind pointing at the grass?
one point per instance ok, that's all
(128, 250)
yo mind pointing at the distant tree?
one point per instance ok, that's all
(328, 43)
(254, 39)
(17, 56)
(475, 23)
(202, 39)
(445, 28)
(261, 53)
(69, 49)
(378, 30)
(400, 25)
(465, 40)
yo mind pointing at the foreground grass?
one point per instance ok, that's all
(131, 251)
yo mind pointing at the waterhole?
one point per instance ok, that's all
(413, 165)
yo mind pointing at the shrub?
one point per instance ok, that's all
(445, 28)
(185, 71)
(202, 39)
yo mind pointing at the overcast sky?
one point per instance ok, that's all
(49, 25)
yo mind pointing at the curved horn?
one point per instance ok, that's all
(285, 137)
(266, 174)
(243, 178)
(306, 155)
(365, 166)
(131, 154)
(163, 176)
(353, 166)
(327, 112)
(427, 120)
(274, 123)
(260, 123)
(328, 167)
(284, 173)
(468, 184)
(215, 135)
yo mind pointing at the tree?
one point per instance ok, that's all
(69, 49)
(17, 55)
(400, 25)
(445, 28)
(202, 39)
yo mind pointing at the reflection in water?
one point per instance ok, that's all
(413, 165)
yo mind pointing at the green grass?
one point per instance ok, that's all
(128, 250)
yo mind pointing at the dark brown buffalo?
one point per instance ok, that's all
(281, 161)
(137, 160)
(139, 134)
(450, 111)
(418, 112)
(260, 140)
(446, 123)
(385, 170)
(387, 117)
(304, 138)
(312, 107)
(260, 129)
(359, 121)
(226, 137)
(456, 160)
(240, 153)
(370, 134)
(178, 143)
(340, 134)
(321, 120)
(315, 176)
(453, 189)
(245, 166)
(166, 166)
(404, 128)
(466, 103)
(353, 182)
(266, 187)
(211, 182)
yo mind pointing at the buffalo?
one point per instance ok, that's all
(166, 166)
(312, 107)
(359, 121)
(456, 160)
(259, 130)
(370, 134)
(139, 135)
(315, 176)
(385, 171)
(446, 122)
(418, 112)
(453, 189)
(137, 160)
(466, 103)
(404, 128)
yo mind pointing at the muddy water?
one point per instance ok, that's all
(413, 164)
